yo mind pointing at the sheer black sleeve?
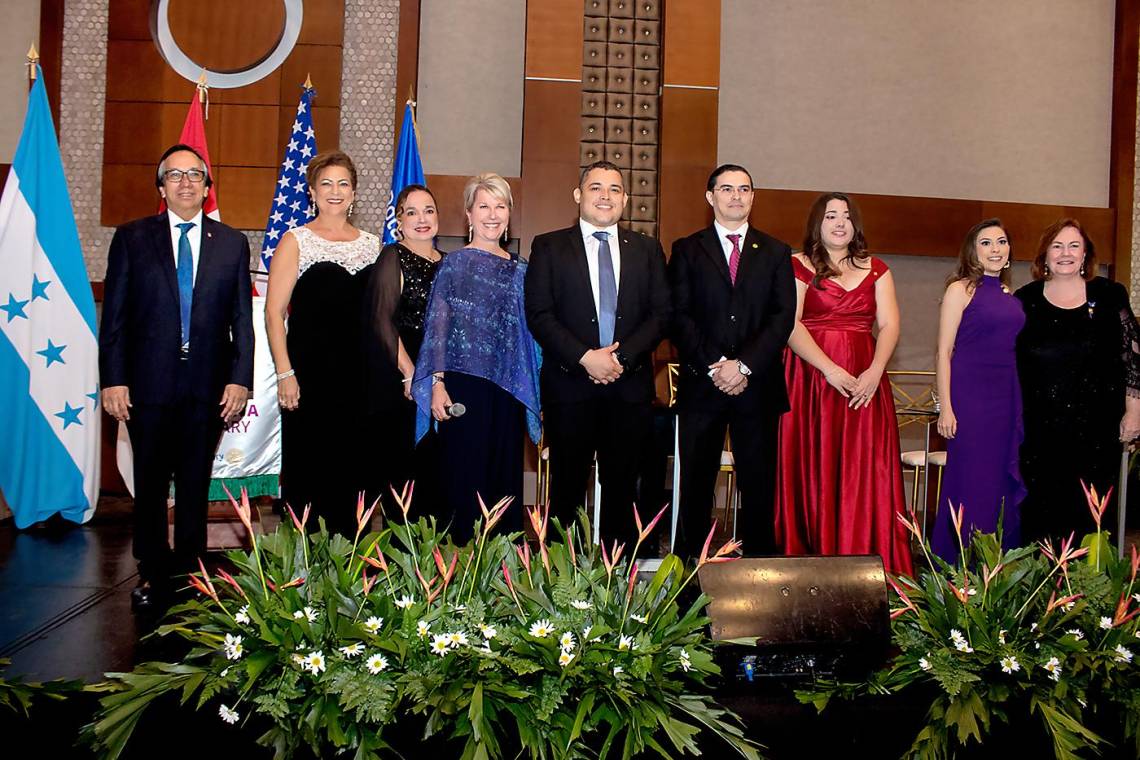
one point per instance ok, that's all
(381, 299)
(1129, 346)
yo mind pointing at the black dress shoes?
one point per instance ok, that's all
(145, 598)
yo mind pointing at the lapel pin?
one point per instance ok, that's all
(755, 245)
(209, 234)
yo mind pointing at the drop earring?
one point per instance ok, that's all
(1082, 270)
(351, 206)
(506, 235)
(1007, 264)
(470, 232)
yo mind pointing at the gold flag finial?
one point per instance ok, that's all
(411, 96)
(308, 81)
(204, 93)
(33, 59)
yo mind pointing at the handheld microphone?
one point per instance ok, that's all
(456, 410)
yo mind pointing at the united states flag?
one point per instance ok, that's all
(291, 201)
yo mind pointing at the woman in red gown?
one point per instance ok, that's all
(839, 483)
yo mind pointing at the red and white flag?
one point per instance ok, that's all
(194, 135)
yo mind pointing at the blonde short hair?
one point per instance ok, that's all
(493, 184)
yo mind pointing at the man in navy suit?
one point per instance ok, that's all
(734, 302)
(175, 360)
(597, 302)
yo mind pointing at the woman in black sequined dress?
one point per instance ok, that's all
(1079, 363)
(395, 301)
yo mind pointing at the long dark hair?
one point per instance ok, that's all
(813, 245)
(969, 268)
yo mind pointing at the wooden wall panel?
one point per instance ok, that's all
(407, 59)
(1122, 162)
(550, 157)
(554, 39)
(692, 42)
(246, 128)
(51, 52)
(687, 154)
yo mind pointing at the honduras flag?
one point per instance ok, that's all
(407, 171)
(49, 391)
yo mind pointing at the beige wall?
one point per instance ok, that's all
(471, 86)
(20, 29)
(921, 97)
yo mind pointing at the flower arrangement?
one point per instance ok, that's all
(559, 651)
(1027, 632)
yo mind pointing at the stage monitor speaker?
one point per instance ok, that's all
(811, 616)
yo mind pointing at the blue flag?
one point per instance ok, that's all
(291, 202)
(408, 170)
(49, 356)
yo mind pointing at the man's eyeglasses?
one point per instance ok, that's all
(174, 176)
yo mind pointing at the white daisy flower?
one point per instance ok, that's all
(626, 642)
(488, 631)
(924, 663)
(1053, 666)
(233, 647)
(422, 628)
(352, 650)
(618, 669)
(225, 672)
(1033, 627)
(567, 641)
(310, 614)
(440, 644)
(1123, 654)
(1136, 597)
(639, 618)
(228, 715)
(564, 658)
(242, 615)
(376, 663)
(299, 659)
(586, 632)
(956, 636)
(459, 608)
(298, 615)
(541, 629)
(1010, 664)
(405, 601)
(315, 662)
(1106, 623)
(1001, 636)
(581, 604)
(1069, 605)
(457, 639)
(685, 662)
(372, 624)
(1076, 633)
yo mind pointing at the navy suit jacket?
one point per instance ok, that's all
(562, 316)
(749, 320)
(140, 334)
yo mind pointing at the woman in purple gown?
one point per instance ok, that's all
(981, 399)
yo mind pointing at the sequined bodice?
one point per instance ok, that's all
(350, 255)
(417, 273)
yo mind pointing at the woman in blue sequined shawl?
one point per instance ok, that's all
(478, 353)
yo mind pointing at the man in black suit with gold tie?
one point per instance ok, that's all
(734, 304)
(597, 302)
(175, 360)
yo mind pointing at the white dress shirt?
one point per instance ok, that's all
(194, 236)
(722, 234)
(592, 246)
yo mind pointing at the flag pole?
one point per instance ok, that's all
(33, 59)
(204, 93)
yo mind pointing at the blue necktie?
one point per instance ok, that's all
(185, 281)
(607, 291)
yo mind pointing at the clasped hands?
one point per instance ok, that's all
(859, 389)
(727, 377)
(601, 364)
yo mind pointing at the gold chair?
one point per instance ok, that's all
(916, 403)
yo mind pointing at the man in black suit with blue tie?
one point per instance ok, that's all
(734, 302)
(175, 360)
(597, 302)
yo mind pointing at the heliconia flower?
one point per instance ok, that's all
(228, 715)
(1053, 666)
(962, 594)
(618, 669)
(428, 587)
(626, 643)
(352, 650)
(908, 604)
(1097, 505)
(440, 644)
(242, 615)
(1135, 564)
(632, 580)
(643, 533)
(457, 639)
(567, 641)
(299, 524)
(206, 579)
(924, 662)
(422, 628)
(565, 657)
(1123, 654)
(988, 575)
(376, 663)
(1106, 623)
(639, 618)
(686, 663)
(541, 629)
(610, 560)
(233, 647)
(372, 624)
(494, 514)
(1076, 633)
(230, 580)
(1010, 664)
(579, 604)
(1065, 602)
(405, 601)
(242, 509)
(488, 631)
(202, 588)
(911, 524)
(404, 499)
(315, 661)
(721, 554)
(956, 517)
(539, 519)
(1122, 615)
(363, 518)
(296, 582)
(365, 581)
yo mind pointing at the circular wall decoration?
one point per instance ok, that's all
(187, 68)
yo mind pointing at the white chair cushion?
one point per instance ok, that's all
(938, 459)
(915, 458)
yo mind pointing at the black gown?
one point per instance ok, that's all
(395, 300)
(322, 440)
(1076, 366)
